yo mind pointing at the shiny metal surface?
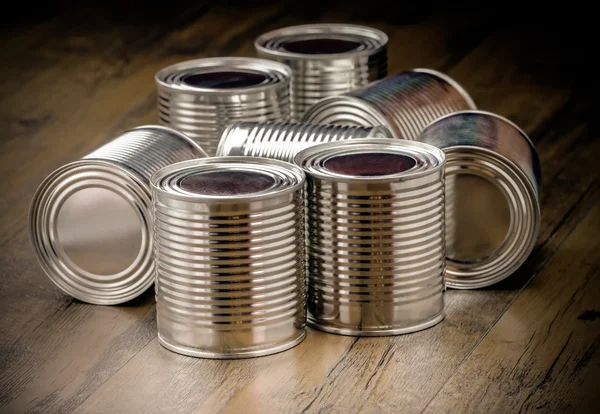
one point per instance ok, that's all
(283, 140)
(326, 59)
(405, 103)
(493, 179)
(229, 255)
(90, 220)
(374, 236)
(202, 97)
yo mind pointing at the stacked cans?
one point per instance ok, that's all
(91, 220)
(405, 103)
(492, 188)
(283, 140)
(228, 247)
(202, 97)
(326, 59)
(374, 236)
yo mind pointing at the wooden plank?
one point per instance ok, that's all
(542, 354)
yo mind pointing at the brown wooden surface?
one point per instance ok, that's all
(72, 78)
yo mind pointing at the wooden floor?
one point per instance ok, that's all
(73, 78)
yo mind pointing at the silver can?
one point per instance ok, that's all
(230, 279)
(90, 221)
(201, 97)
(493, 180)
(326, 59)
(374, 236)
(283, 140)
(405, 103)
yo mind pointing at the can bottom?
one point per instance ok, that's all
(381, 332)
(192, 352)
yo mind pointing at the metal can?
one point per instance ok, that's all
(230, 280)
(90, 221)
(326, 59)
(493, 181)
(283, 140)
(405, 103)
(201, 97)
(374, 213)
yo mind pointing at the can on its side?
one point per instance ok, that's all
(326, 59)
(90, 221)
(230, 279)
(405, 103)
(374, 236)
(493, 180)
(202, 97)
(283, 140)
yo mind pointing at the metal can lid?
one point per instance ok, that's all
(493, 178)
(227, 179)
(224, 75)
(321, 41)
(89, 226)
(370, 160)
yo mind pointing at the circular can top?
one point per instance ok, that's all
(227, 179)
(224, 75)
(370, 160)
(321, 41)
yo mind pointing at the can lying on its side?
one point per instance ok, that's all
(326, 59)
(91, 220)
(493, 179)
(374, 236)
(230, 279)
(405, 103)
(201, 97)
(283, 140)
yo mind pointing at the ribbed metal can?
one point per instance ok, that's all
(326, 59)
(374, 236)
(90, 221)
(230, 280)
(493, 181)
(405, 103)
(283, 140)
(201, 97)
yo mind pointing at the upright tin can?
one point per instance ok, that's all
(90, 221)
(493, 180)
(326, 59)
(405, 103)
(374, 236)
(201, 97)
(283, 140)
(230, 280)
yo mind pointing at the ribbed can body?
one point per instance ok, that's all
(283, 140)
(91, 220)
(230, 279)
(202, 97)
(375, 252)
(406, 103)
(326, 60)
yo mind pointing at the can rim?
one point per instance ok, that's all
(452, 82)
(331, 149)
(145, 280)
(242, 161)
(325, 28)
(266, 65)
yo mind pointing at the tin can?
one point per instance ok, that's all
(405, 103)
(326, 59)
(90, 221)
(229, 256)
(283, 140)
(201, 97)
(493, 180)
(374, 236)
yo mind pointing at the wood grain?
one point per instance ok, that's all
(75, 79)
